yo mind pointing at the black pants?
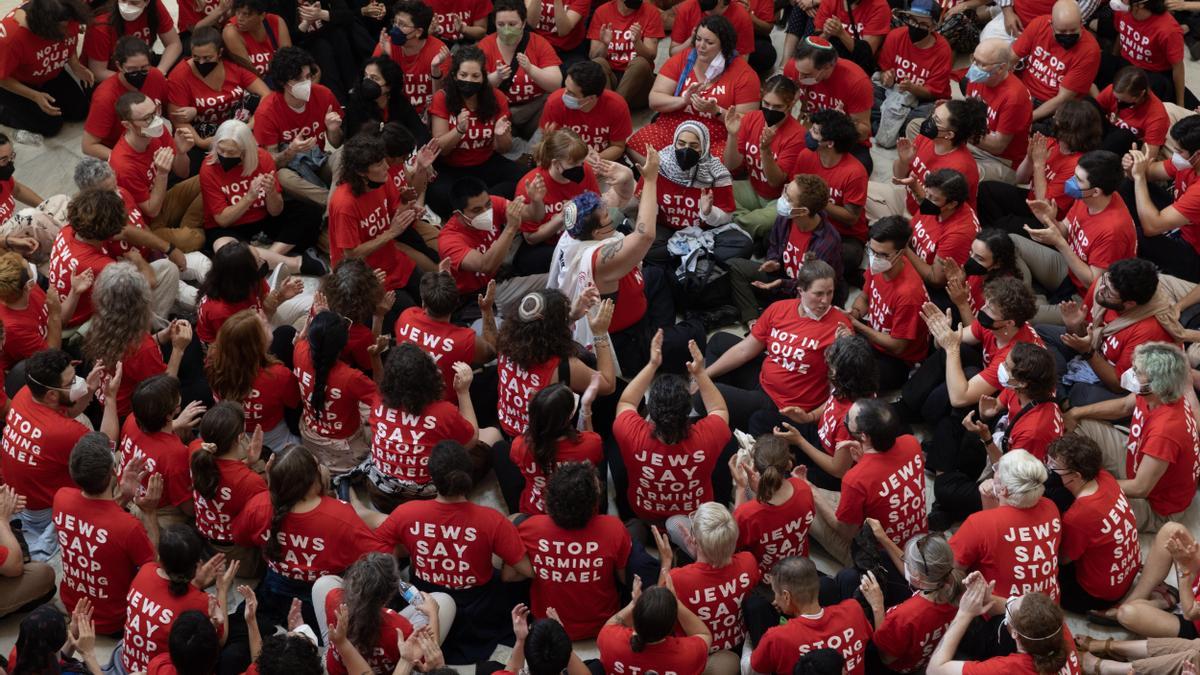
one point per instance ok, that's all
(632, 345)
(762, 61)
(924, 395)
(893, 372)
(1118, 140)
(334, 52)
(1169, 251)
(740, 387)
(533, 258)
(1072, 596)
(1002, 205)
(298, 225)
(500, 173)
(18, 112)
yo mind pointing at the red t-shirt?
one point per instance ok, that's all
(1010, 111)
(1036, 429)
(832, 429)
(715, 594)
(843, 628)
(100, 38)
(24, 329)
(609, 122)
(847, 181)
(679, 205)
(476, 145)
(237, 486)
(165, 455)
(276, 122)
(1101, 239)
(556, 195)
(260, 52)
(275, 388)
(30, 59)
(445, 12)
(872, 17)
(357, 219)
(794, 370)
(848, 89)
(37, 445)
(141, 362)
(546, 28)
(186, 89)
(541, 55)
(445, 342)
(152, 612)
(401, 441)
(1168, 433)
(1048, 66)
(785, 147)
(928, 67)
(345, 388)
(574, 571)
(689, 14)
(1016, 548)
(994, 354)
(212, 313)
(452, 544)
(385, 653)
(630, 303)
(102, 121)
(102, 548)
(1100, 535)
(911, 630)
(325, 540)
(418, 71)
(621, 48)
(773, 533)
(895, 309)
(1147, 120)
(162, 665)
(71, 256)
(935, 238)
(1022, 664)
(516, 389)
(668, 480)
(1187, 202)
(135, 170)
(458, 239)
(889, 487)
(190, 13)
(926, 160)
(219, 188)
(674, 655)
(1060, 167)
(587, 448)
(1154, 43)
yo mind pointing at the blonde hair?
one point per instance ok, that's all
(14, 274)
(121, 299)
(560, 144)
(238, 132)
(715, 533)
(1023, 476)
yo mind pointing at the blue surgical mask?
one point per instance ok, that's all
(976, 74)
(1071, 188)
(571, 102)
(810, 142)
(783, 208)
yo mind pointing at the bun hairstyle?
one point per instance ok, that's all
(450, 469)
(929, 559)
(561, 144)
(550, 415)
(1038, 627)
(772, 463)
(220, 430)
(654, 617)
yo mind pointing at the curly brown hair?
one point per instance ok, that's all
(532, 340)
(352, 290)
(96, 214)
(1012, 297)
(411, 379)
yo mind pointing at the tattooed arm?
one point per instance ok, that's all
(618, 258)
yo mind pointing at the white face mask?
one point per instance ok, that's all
(813, 315)
(129, 11)
(879, 265)
(1180, 162)
(715, 68)
(571, 102)
(482, 221)
(1118, 6)
(1002, 375)
(155, 128)
(783, 208)
(807, 81)
(302, 90)
(1131, 383)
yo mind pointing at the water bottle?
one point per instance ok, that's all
(25, 137)
(411, 595)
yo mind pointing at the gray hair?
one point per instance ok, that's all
(929, 560)
(90, 172)
(1023, 477)
(239, 132)
(1166, 369)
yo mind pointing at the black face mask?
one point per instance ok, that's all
(929, 129)
(205, 68)
(772, 117)
(686, 158)
(7, 170)
(468, 89)
(228, 163)
(985, 320)
(1066, 40)
(928, 208)
(574, 174)
(1126, 104)
(374, 184)
(633, 4)
(708, 5)
(916, 34)
(974, 269)
(369, 89)
(137, 78)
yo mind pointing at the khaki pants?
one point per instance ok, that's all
(293, 185)
(35, 582)
(885, 199)
(340, 455)
(634, 84)
(166, 290)
(180, 221)
(525, 116)
(992, 167)
(1047, 267)
(1168, 656)
(825, 533)
(755, 214)
(1111, 441)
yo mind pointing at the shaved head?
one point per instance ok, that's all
(1066, 17)
(995, 50)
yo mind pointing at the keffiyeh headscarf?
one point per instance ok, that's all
(709, 172)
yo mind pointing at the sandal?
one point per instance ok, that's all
(1104, 617)
(1084, 643)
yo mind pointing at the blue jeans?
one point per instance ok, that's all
(40, 535)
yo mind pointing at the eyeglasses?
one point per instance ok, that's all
(5, 161)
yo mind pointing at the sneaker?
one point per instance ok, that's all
(311, 264)
(719, 317)
(280, 274)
